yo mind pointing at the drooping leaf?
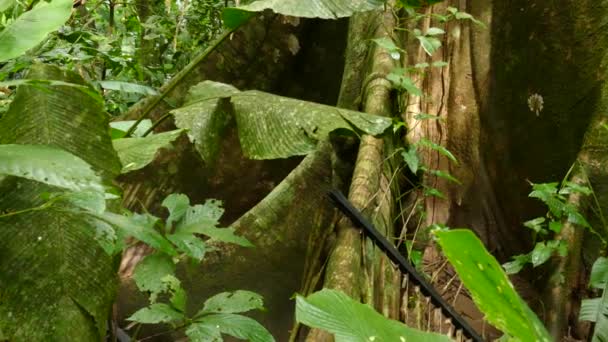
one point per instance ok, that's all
(178, 294)
(232, 302)
(120, 128)
(349, 320)
(429, 44)
(386, 43)
(150, 271)
(62, 116)
(141, 227)
(411, 159)
(599, 273)
(491, 289)
(434, 31)
(541, 253)
(590, 309)
(48, 165)
(56, 280)
(32, 27)
(325, 9)
(400, 81)
(272, 126)
(207, 115)
(238, 326)
(445, 175)
(127, 87)
(177, 204)
(226, 235)
(156, 313)
(135, 153)
(536, 224)
(516, 265)
(189, 244)
(434, 146)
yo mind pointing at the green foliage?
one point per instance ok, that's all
(48, 165)
(178, 239)
(350, 320)
(136, 153)
(596, 309)
(555, 198)
(32, 27)
(491, 289)
(272, 126)
(56, 280)
(324, 9)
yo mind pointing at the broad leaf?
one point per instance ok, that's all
(29, 29)
(599, 273)
(411, 159)
(55, 278)
(120, 128)
(434, 146)
(157, 313)
(232, 302)
(135, 153)
(48, 165)
(189, 244)
(200, 332)
(150, 271)
(207, 214)
(272, 126)
(325, 9)
(238, 326)
(541, 253)
(491, 289)
(141, 227)
(596, 309)
(177, 204)
(429, 44)
(127, 87)
(350, 320)
(207, 118)
(225, 235)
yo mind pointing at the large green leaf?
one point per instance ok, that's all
(150, 271)
(31, 27)
(238, 326)
(57, 282)
(48, 165)
(596, 309)
(325, 9)
(232, 302)
(135, 153)
(350, 320)
(272, 126)
(491, 289)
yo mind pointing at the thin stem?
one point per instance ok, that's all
(158, 122)
(177, 79)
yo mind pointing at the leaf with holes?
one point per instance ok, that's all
(157, 313)
(232, 302)
(236, 325)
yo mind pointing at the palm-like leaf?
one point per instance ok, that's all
(56, 281)
(269, 126)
